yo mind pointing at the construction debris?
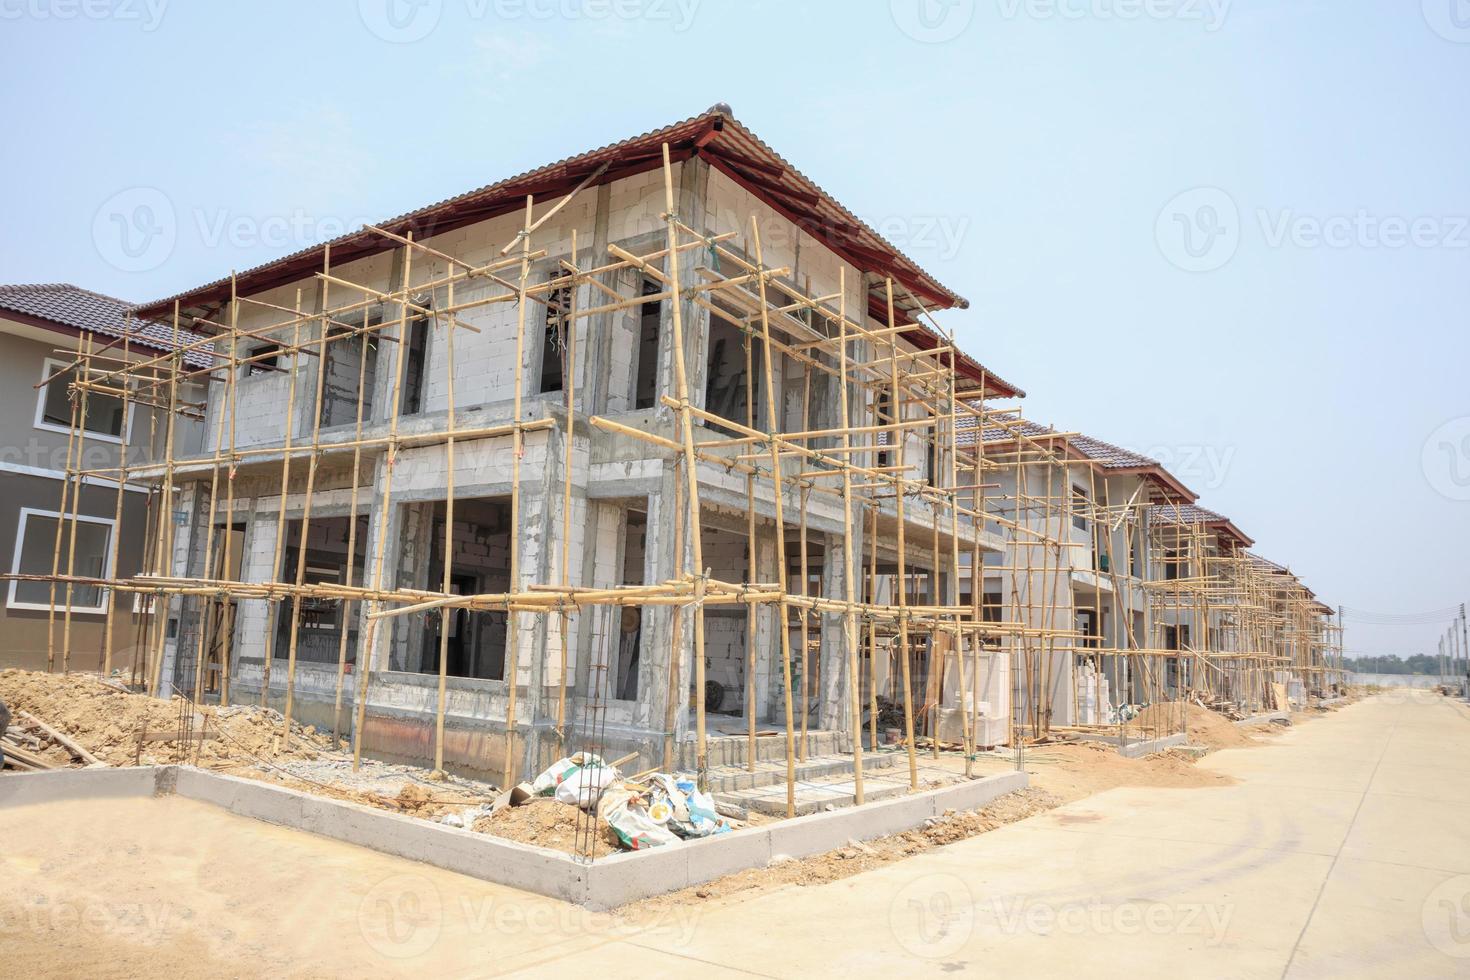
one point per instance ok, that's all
(122, 728)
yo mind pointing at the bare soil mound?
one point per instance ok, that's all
(120, 727)
(1073, 770)
(546, 823)
(1204, 727)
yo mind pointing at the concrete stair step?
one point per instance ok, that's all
(733, 750)
(813, 797)
(725, 779)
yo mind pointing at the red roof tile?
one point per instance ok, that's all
(714, 135)
(81, 309)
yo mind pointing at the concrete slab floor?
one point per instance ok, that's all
(1343, 850)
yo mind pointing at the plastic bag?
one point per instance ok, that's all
(703, 820)
(693, 812)
(560, 770)
(635, 829)
(584, 785)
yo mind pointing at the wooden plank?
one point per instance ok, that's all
(76, 750)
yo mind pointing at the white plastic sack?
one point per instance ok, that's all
(562, 769)
(583, 786)
(637, 831)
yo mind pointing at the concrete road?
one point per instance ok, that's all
(1343, 850)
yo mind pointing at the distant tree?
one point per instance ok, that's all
(1418, 663)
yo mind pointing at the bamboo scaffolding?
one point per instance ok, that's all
(984, 493)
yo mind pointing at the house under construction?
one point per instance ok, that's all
(659, 449)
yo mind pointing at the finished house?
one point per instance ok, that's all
(51, 523)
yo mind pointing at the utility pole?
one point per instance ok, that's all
(1465, 644)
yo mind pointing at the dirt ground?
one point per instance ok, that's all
(856, 857)
(108, 722)
(175, 888)
(121, 729)
(1204, 727)
(148, 887)
(547, 823)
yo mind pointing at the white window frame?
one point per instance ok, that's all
(20, 539)
(48, 367)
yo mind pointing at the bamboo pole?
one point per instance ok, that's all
(513, 657)
(165, 526)
(903, 621)
(77, 421)
(849, 560)
(365, 654)
(802, 613)
(447, 578)
(352, 535)
(209, 566)
(751, 568)
(273, 625)
(76, 505)
(229, 405)
(569, 384)
(696, 547)
(783, 624)
(306, 506)
(676, 636)
(117, 512)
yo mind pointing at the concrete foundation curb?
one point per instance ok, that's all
(60, 785)
(605, 884)
(1264, 717)
(1141, 748)
(1137, 750)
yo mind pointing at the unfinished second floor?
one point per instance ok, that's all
(374, 333)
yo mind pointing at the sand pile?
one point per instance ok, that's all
(107, 722)
(547, 823)
(1077, 769)
(1205, 727)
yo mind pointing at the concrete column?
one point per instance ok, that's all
(376, 658)
(767, 635)
(595, 353)
(540, 536)
(389, 354)
(836, 708)
(190, 518)
(660, 564)
(692, 186)
(407, 566)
